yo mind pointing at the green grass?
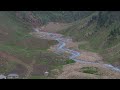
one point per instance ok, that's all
(20, 35)
(90, 70)
(69, 61)
(13, 49)
(86, 46)
(8, 67)
(11, 22)
(21, 51)
(43, 62)
(96, 37)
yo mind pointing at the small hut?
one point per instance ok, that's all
(46, 73)
(2, 76)
(13, 76)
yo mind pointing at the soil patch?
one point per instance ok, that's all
(73, 71)
(54, 27)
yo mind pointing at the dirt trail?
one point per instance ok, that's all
(54, 27)
(30, 69)
(12, 58)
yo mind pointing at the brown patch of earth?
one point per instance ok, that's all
(54, 27)
(73, 71)
(90, 56)
(71, 45)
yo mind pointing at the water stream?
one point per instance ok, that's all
(73, 54)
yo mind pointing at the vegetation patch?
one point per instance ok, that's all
(102, 32)
(85, 46)
(69, 61)
(90, 70)
(9, 66)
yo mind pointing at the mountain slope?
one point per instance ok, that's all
(102, 32)
(43, 17)
(17, 44)
(19, 49)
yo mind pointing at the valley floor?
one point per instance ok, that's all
(39, 61)
(72, 71)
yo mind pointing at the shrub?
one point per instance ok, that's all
(90, 70)
(69, 61)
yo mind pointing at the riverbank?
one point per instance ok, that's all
(73, 54)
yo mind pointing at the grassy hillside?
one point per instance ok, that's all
(43, 17)
(17, 43)
(15, 34)
(101, 31)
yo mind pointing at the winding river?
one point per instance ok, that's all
(61, 47)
